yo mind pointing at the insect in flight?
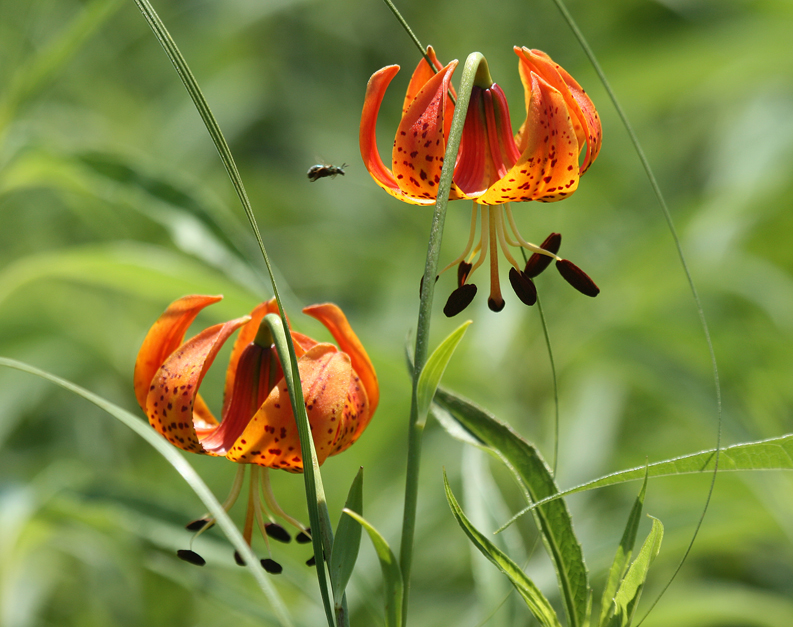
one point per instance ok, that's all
(321, 170)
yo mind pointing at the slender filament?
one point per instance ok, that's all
(269, 499)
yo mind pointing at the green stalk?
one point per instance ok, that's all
(416, 427)
(317, 510)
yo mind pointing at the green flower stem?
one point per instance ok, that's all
(416, 427)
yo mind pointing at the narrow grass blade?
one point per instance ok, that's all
(433, 370)
(535, 600)
(627, 597)
(392, 575)
(534, 476)
(771, 454)
(322, 536)
(623, 556)
(175, 458)
(683, 264)
(347, 541)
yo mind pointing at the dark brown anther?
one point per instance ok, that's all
(271, 566)
(421, 283)
(197, 525)
(238, 559)
(191, 557)
(459, 299)
(537, 263)
(311, 561)
(277, 532)
(303, 538)
(576, 277)
(523, 286)
(495, 305)
(463, 270)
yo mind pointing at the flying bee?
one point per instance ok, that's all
(321, 170)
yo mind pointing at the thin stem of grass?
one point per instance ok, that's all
(670, 223)
(544, 324)
(313, 481)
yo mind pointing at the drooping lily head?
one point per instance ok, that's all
(555, 145)
(257, 426)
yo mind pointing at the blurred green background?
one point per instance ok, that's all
(113, 203)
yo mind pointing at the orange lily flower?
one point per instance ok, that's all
(543, 161)
(257, 426)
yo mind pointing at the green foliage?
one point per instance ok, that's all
(537, 603)
(631, 586)
(433, 371)
(535, 478)
(623, 555)
(113, 203)
(392, 574)
(347, 541)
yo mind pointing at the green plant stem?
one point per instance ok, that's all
(555, 387)
(670, 223)
(416, 427)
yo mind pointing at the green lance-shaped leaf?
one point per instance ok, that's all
(535, 600)
(627, 598)
(623, 556)
(772, 454)
(347, 541)
(175, 458)
(534, 476)
(392, 575)
(433, 370)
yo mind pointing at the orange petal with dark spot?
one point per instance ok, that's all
(334, 320)
(420, 143)
(271, 437)
(586, 120)
(174, 388)
(164, 338)
(548, 166)
(367, 136)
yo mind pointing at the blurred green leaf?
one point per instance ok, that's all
(174, 457)
(347, 541)
(392, 575)
(533, 474)
(535, 599)
(623, 556)
(630, 590)
(771, 454)
(433, 370)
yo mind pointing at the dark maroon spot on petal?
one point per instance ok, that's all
(459, 299)
(190, 556)
(311, 561)
(303, 538)
(523, 286)
(576, 277)
(238, 559)
(271, 566)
